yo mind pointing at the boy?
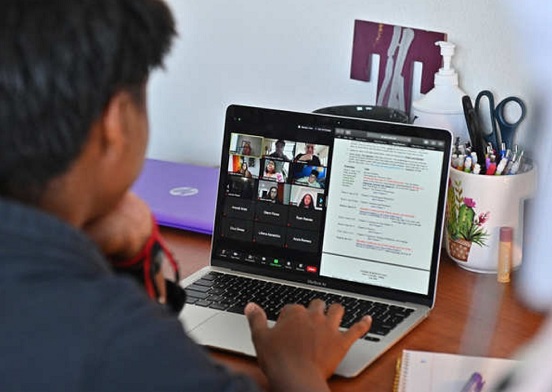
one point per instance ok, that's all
(73, 133)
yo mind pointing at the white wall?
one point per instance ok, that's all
(296, 55)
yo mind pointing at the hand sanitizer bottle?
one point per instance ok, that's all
(442, 107)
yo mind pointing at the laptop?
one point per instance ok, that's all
(180, 195)
(318, 206)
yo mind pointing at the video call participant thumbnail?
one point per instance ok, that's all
(279, 150)
(240, 187)
(244, 166)
(271, 192)
(246, 145)
(299, 198)
(308, 156)
(274, 170)
(308, 175)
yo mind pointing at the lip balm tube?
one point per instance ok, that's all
(505, 254)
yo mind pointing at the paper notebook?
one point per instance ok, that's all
(422, 371)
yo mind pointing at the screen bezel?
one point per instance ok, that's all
(320, 129)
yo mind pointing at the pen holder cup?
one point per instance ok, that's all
(477, 207)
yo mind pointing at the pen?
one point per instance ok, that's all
(474, 384)
(490, 149)
(503, 150)
(510, 163)
(515, 166)
(457, 145)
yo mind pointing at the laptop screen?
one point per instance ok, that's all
(336, 202)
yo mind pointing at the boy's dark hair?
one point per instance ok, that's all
(61, 61)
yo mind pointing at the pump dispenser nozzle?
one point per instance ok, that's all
(446, 74)
(447, 51)
(442, 106)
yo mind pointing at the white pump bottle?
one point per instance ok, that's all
(442, 107)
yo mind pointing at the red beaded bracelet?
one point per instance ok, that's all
(150, 259)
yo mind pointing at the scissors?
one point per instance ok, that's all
(506, 130)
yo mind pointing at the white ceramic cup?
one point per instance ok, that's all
(477, 207)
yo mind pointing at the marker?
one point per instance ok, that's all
(474, 157)
(453, 160)
(467, 164)
(501, 166)
(460, 162)
(491, 169)
(457, 145)
(474, 384)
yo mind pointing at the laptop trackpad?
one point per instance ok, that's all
(230, 331)
(226, 331)
(193, 316)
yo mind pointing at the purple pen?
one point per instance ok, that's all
(474, 384)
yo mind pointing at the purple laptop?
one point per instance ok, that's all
(179, 195)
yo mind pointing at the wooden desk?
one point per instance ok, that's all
(442, 331)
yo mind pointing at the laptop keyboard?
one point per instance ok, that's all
(231, 293)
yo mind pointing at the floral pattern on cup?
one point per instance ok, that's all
(464, 225)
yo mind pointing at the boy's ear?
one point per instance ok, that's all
(113, 124)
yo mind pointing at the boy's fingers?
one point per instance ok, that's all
(335, 313)
(358, 329)
(256, 317)
(317, 306)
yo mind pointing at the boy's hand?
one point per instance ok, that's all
(305, 346)
(122, 233)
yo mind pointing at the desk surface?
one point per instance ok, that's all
(443, 331)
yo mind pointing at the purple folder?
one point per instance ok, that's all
(179, 195)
